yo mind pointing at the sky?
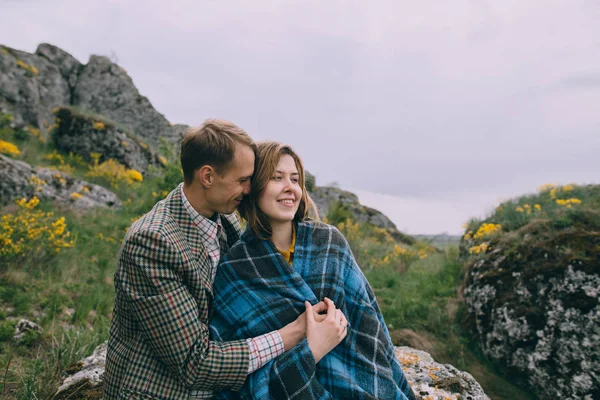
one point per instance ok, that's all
(431, 111)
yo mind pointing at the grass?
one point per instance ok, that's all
(70, 294)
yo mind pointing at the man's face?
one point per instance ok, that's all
(228, 189)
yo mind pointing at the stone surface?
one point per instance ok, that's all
(31, 85)
(24, 326)
(84, 380)
(20, 179)
(534, 303)
(427, 377)
(431, 380)
(84, 134)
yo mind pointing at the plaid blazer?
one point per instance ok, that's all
(159, 345)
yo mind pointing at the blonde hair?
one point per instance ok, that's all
(267, 158)
(212, 143)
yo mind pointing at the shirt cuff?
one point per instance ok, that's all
(263, 349)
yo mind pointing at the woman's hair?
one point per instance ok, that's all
(267, 158)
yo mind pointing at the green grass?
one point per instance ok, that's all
(71, 294)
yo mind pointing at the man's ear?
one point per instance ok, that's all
(205, 175)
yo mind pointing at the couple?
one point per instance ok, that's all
(280, 311)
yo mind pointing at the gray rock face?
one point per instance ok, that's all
(326, 197)
(80, 134)
(536, 310)
(105, 88)
(426, 377)
(18, 179)
(431, 380)
(31, 85)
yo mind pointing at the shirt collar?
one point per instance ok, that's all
(206, 225)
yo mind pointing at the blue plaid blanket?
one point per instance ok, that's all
(257, 291)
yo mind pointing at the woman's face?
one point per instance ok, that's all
(281, 197)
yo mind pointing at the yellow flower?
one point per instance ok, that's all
(163, 161)
(134, 175)
(538, 207)
(98, 125)
(9, 148)
(76, 196)
(519, 209)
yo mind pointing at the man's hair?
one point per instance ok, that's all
(212, 143)
(267, 158)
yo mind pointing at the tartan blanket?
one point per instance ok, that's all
(257, 291)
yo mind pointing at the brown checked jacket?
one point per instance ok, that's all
(159, 345)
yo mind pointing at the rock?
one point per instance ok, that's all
(85, 378)
(24, 326)
(19, 180)
(441, 381)
(105, 88)
(326, 197)
(534, 305)
(30, 86)
(84, 134)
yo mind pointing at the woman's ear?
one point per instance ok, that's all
(205, 175)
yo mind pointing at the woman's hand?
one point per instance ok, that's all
(295, 331)
(324, 336)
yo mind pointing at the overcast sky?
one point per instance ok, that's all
(431, 110)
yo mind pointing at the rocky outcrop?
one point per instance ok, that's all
(534, 304)
(431, 380)
(31, 85)
(19, 180)
(84, 134)
(427, 378)
(327, 197)
(105, 88)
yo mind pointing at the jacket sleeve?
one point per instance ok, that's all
(168, 316)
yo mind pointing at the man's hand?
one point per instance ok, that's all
(324, 336)
(294, 332)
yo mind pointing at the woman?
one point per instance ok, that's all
(283, 259)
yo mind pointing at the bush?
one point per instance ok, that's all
(32, 233)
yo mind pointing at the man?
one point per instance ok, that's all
(159, 345)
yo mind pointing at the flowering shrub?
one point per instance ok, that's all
(30, 232)
(113, 172)
(9, 148)
(374, 247)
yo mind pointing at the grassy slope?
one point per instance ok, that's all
(71, 294)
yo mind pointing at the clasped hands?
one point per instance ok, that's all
(323, 324)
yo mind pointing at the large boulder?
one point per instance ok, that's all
(107, 89)
(84, 380)
(432, 380)
(19, 179)
(31, 85)
(84, 133)
(534, 303)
